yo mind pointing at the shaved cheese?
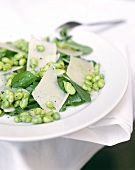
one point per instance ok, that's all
(14, 68)
(9, 47)
(49, 90)
(78, 69)
(70, 52)
(48, 55)
(2, 80)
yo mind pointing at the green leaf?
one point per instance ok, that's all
(74, 45)
(31, 87)
(82, 93)
(23, 80)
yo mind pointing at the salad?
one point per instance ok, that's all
(41, 78)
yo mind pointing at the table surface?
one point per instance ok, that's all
(118, 157)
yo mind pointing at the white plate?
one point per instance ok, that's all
(74, 119)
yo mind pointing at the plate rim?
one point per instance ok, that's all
(37, 138)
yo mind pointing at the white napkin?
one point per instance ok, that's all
(114, 128)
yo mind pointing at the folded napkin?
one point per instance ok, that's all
(117, 126)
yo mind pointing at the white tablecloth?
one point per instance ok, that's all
(43, 15)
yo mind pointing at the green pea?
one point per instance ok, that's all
(21, 44)
(25, 114)
(17, 103)
(16, 63)
(36, 73)
(88, 77)
(96, 72)
(33, 62)
(1, 65)
(56, 116)
(24, 103)
(6, 67)
(95, 86)
(18, 56)
(40, 48)
(69, 88)
(37, 120)
(9, 82)
(38, 111)
(59, 65)
(18, 95)
(97, 66)
(101, 83)
(89, 89)
(88, 82)
(60, 72)
(49, 104)
(43, 112)
(22, 61)
(17, 119)
(10, 76)
(50, 113)
(26, 118)
(47, 119)
(11, 98)
(97, 78)
(44, 68)
(85, 87)
(6, 104)
(6, 60)
(26, 95)
(101, 76)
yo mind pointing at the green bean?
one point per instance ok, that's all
(49, 104)
(24, 103)
(22, 61)
(40, 48)
(47, 119)
(56, 116)
(69, 88)
(33, 62)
